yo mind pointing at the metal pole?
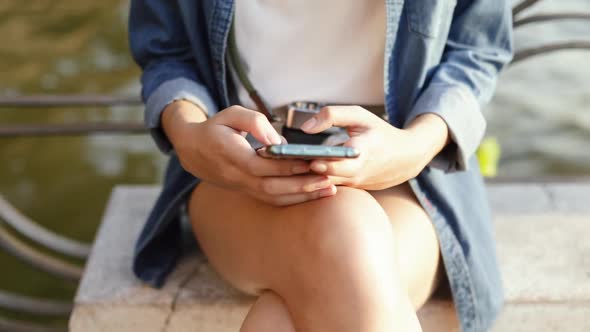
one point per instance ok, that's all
(68, 100)
(38, 234)
(551, 17)
(531, 52)
(79, 129)
(36, 259)
(35, 306)
(525, 4)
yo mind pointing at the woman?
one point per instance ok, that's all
(348, 245)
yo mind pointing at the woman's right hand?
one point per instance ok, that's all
(216, 150)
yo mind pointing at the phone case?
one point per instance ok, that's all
(305, 151)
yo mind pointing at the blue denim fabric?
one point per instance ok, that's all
(442, 57)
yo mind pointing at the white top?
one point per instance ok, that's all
(312, 50)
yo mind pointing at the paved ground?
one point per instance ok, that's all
(544, 252)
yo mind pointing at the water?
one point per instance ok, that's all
(66, 46)
(540, 115)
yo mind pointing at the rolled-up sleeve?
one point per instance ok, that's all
(479, 45)
(160, 46)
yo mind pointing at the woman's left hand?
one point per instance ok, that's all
(388, 156)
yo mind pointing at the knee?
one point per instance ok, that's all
(346, 233)
(268, 314)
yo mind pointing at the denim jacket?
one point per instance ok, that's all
(441, 56)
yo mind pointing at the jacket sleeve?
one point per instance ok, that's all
(479, 45)
(160, 46)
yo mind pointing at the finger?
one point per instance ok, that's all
(339, 180)
(344, 167)
(287, 185)
(274, 167)
(355, 183)
(285, 200)
(338, 116)
(243, 119)
(243, 157)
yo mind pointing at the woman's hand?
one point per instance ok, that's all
(216, 150)
(389, 156)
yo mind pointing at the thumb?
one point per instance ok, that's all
(255, 123)
(338, 116)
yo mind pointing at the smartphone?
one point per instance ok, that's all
(307, 151)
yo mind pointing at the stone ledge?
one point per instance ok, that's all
(546, 273)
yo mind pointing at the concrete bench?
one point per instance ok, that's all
(543, 241)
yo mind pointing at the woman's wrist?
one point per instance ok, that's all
(431, 134)
(177, 115)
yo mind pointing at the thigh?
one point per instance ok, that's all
(417, 244)
(243, 238)
(255, 246)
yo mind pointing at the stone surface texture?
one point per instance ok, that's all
(543, 245)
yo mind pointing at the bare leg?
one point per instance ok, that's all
(332, 262)
(418, 249)
(268, 314)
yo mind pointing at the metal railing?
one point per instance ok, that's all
(520, 21)
(68, 247)
(75, 129)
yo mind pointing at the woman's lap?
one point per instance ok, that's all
(253, 245)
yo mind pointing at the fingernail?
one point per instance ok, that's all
(309, 124)
(319, 167)
(300, 169)
(331, 190)
(274, 138)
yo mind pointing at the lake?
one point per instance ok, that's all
(540, 115)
